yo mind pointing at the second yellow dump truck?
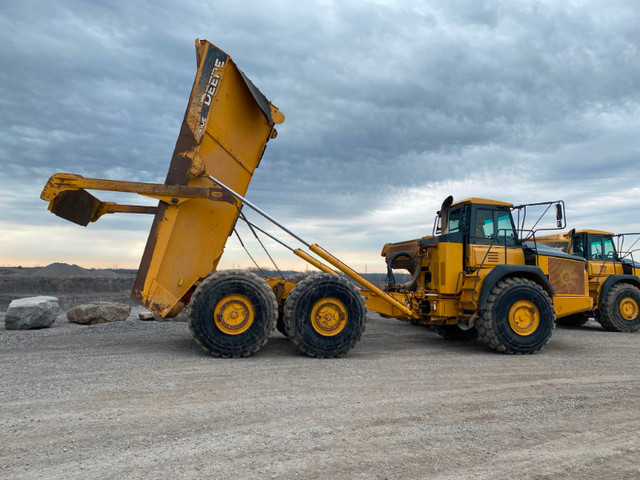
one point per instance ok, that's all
(614, 277)
(474, 277)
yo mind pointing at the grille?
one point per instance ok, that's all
(493, 257)
(566, 276)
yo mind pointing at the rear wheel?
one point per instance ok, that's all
(620, 311)
(324, 316)
(519, 317)
(575, 320)
(233, 314)
(455, 333)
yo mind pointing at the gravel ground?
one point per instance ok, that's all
(139, 400)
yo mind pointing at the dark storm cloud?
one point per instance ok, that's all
(382, 99)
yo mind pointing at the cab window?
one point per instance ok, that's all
(494, 226)
(484, 225)
(602, 248)
(578, 245)
(455, 221)
(505, 228)
(608, 249)
(596, 249)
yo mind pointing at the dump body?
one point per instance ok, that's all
(226, 126)
(224, 132)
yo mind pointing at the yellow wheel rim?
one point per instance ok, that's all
(234, 314)
(628, 308)
(524, 317)
(329, 317)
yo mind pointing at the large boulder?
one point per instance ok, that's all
(31, 312)
(98, 312)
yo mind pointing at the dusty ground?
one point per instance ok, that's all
(140, 400)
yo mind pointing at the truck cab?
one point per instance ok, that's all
(614, 277)
(475, 274)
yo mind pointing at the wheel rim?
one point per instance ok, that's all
(234, 314)
(329, 317)
(524, 317)
(628, 308)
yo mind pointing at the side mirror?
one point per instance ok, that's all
(559, 216)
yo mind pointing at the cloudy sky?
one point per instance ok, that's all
(390, 106)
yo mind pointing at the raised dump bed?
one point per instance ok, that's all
(224, 133)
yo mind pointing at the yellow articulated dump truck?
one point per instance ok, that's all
(614, 276)
(473, 278)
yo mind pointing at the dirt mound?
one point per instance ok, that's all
(62, 270)
(65, 270)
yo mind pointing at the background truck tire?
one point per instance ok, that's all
(325, 316)
(233, 314)
(519, 317)
(620, 310)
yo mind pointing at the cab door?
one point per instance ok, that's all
(602, 256)
(492, 238)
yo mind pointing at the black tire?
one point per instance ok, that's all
(455, 333)
(295, 278)
(210, 334)
(497, 330)
(575, 320)
(304, 331)
(623, 297)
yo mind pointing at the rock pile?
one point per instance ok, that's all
(31, 312)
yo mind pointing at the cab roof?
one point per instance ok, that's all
(481, 201)
(591, 230)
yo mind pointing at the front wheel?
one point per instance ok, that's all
(324, 316)
(620, 311)
(233, 314)
(519, 317)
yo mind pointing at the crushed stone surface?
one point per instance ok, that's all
(140, 400)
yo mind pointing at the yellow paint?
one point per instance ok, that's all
(569, 304)
(481, 201)
(329, 316)
(628, 308)
(378, 304)
(445, 263)
(491, 255)
(443, 307)
(598, 268)
(524, 318)
(234, 314)
(308, 258)
(591, 230)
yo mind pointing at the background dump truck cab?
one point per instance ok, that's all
(614, 277)
(479, 279)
